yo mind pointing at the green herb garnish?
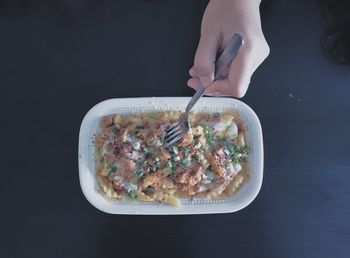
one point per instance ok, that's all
(137, 171)
(185, 163)
(154, 168)
(132, 193)
(112, 168)
(196, 158)
(229, 166)
(151, 152)
(233, 147)
(186, 151)
(140, 162)
(171, 164)
(236, 153)
(245, 152)
(207, 179)
(102, 159)
(208, 132)
(151, 114)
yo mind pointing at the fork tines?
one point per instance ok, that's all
(174, 133)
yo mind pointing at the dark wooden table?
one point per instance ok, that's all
(58, 60)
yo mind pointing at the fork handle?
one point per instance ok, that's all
(222, 62)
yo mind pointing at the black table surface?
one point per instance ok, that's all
(59, 58)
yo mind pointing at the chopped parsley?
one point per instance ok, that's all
(151, 152)
(132, 193)
(171, 164)
(229, 166)
(139, 168)
(185, 163)
(236, 152)
(245, 152)
(196, 158)
(151, 114)
(112, 168)
(208, 132)
(207, 179)
(141, 162)
(186, 151)
(138, 171)
(233, 147)
(154, 167)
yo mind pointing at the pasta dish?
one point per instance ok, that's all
(209, 162)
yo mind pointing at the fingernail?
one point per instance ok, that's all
(193, 71)
(190, 83)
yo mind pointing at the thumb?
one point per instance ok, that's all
(204, 61)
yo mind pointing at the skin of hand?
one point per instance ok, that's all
(221, 20)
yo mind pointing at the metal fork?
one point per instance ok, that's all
(177, 131)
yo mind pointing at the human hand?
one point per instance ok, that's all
(221, 20)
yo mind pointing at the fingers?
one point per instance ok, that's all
(204, 61)
(241, 70)
(193, 72)
(251, 55)
(194, 83)
(235, 84)
(220, 88)
(238, 79)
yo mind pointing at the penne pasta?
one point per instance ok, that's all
(209, 162)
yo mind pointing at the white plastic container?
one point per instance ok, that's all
(243, 197)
